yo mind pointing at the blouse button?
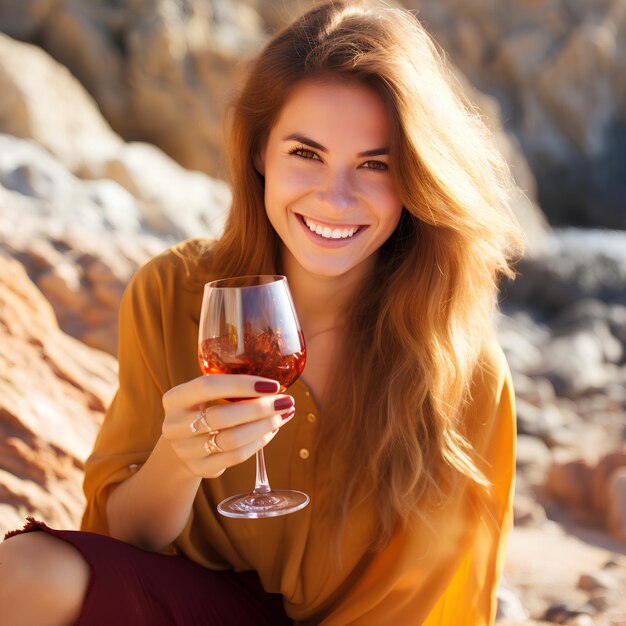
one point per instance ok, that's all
(311, 417)
(304, 453)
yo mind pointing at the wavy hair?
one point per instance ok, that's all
(418, 327)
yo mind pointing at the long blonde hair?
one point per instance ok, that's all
(419, 325)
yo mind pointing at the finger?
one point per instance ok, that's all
(233, 438)
(222, 416)
(214, 464)
(218, 386)
(240, 436)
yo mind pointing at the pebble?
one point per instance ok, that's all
(570, 483)
(597, 581)
(542, 422)
(527, 511)
(565, 613)
(560, 613)
(601, 600)
(532, 451)
(510, 607)
(580, 620)
(616, 503)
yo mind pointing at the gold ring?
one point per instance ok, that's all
(200, 418)
(210, 447)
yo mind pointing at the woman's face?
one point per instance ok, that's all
(328, 190)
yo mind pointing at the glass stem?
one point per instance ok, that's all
(262, 485)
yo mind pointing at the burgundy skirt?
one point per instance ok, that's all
(131, 586)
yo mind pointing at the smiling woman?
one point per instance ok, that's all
(360, 175)
(321, 180)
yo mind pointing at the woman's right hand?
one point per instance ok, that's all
(244, 426)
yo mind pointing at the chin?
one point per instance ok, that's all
(331, 268)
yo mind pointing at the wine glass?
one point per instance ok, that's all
(248, 325)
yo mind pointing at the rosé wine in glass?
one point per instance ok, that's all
(248, 325)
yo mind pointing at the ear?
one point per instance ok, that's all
(259, 162)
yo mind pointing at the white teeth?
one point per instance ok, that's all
(330, 233)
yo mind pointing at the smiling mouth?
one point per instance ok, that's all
(329, 231)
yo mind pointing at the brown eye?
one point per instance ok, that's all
(303, 153)
(376, 165)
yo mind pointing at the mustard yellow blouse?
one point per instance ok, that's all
(445, 574)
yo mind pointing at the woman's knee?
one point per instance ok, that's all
(42, 578)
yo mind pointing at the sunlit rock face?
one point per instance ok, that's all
(557, 68)
(81, 208)
(53, 392)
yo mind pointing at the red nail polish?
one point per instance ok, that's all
(291, 413)
(263, 386)
(283, 403)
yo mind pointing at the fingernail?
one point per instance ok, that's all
(286, 416)
(283, 403)
(266, 386)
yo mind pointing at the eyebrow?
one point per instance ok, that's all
(318, 146)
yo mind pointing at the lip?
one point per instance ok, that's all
(329, 243)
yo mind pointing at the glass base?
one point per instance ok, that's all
(271, 504)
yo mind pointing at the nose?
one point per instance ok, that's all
(337, 190)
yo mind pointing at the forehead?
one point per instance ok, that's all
(335, 110)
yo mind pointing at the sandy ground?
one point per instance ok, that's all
(543, 566)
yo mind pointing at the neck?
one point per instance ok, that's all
(321, 300)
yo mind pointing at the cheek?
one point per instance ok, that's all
(387, 203)
(287, 184)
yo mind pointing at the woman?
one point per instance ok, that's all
(360, 175)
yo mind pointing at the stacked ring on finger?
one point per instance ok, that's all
(199, 419)
(210, 447)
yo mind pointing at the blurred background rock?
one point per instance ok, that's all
(110, 150)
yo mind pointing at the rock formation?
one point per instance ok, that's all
(89, 207)
(557, 68)
(53, 392)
